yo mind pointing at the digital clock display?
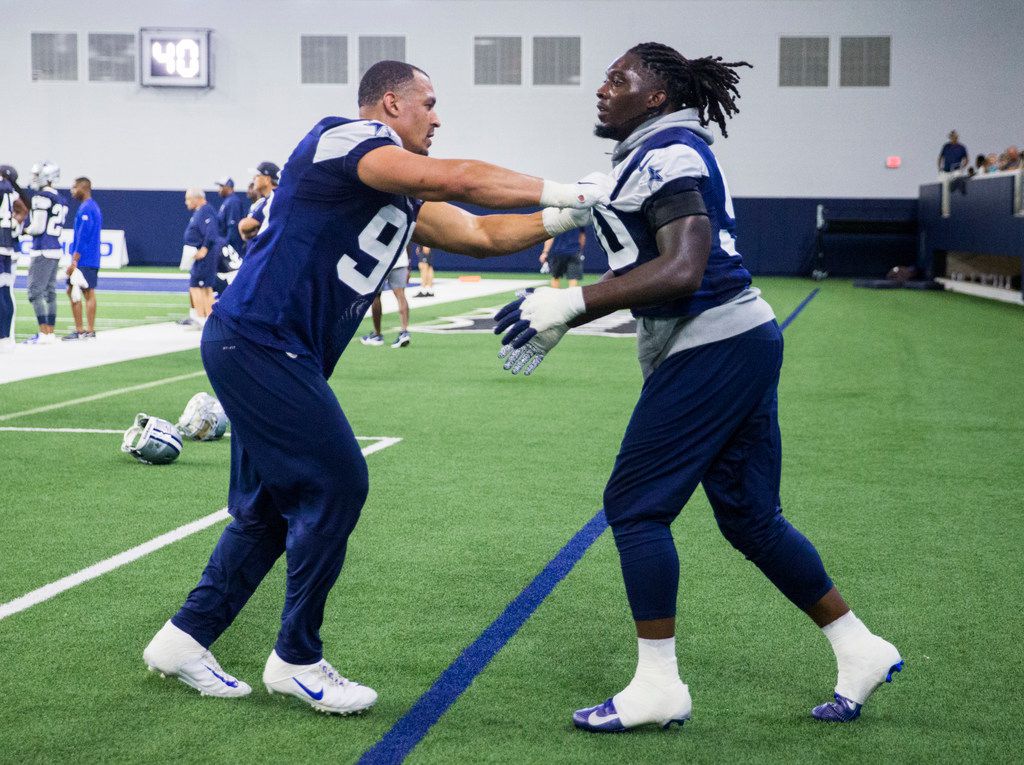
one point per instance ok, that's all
(177, 58)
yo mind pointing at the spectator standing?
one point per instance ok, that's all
(953, 155)
(203, 234)
(85, 260)
(564, 256)
(426, 268)
(231, 212)
(1010, 159)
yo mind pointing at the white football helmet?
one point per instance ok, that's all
(44, 174)
(152, 441)
(203, 419)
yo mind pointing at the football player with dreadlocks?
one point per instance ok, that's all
(711, 351)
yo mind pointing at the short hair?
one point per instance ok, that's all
(385, 76)
(84, 181)
(194, 192)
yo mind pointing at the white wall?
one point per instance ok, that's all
(954, 64)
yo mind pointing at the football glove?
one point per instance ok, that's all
(588, 191)
(151, 441)
(528, 357)
(78, 283)
(536, 312)
(558, 221)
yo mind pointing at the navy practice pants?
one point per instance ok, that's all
(298, 483)
(708, 415)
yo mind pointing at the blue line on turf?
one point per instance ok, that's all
(796, 311)
(411, 728)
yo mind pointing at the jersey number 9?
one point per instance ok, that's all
(382, 239)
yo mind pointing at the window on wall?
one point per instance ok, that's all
(112, 57)
(374, 49)
(324, 59)
(498, 60)
(54, 56)
(803, 62)
(556, 61)
(864, 61)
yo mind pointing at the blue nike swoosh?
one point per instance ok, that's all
(228, 683)
(315, 696)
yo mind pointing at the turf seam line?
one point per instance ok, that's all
(428, 709)
(98, 396)
(47, 591)
(796, 311)
(412, 727)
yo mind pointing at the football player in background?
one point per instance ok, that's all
(85, 258)
(711, 352)
(48, 210)
(202, 234)
(425, 258)
(13, 212)
(349, 197)
(266, 176)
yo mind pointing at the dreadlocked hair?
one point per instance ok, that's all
(707, 84)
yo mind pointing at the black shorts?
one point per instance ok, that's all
(569, 266)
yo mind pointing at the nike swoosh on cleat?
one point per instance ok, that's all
(228, 683)
(598, 719)
(315, 696)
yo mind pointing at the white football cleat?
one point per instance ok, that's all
(174, 653)
(319, 685)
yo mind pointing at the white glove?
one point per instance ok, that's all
(546, 308)
(558, 221)
(588, 191)
(78, 283)
(528, 357)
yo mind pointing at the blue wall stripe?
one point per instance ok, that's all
(411, 728)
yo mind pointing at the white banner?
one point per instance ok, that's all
(113, 248)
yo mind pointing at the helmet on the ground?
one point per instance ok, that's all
(151, 440)
(203, 419)
(44, 173)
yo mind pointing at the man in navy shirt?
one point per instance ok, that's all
(349, 198)
(953, 155)
(564, 256)
(206, 243)
(231, 211)
(85, 259)
(710, 352)
(265, 179)
(13, 211)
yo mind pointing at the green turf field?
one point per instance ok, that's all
(903, 432)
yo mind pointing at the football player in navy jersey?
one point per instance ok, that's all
(13, 211)
(711, 352)
(46, 223)
(349, 198)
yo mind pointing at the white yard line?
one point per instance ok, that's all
(98, 396)
(66, 583)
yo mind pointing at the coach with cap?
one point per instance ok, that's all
(265, 179)
(231, 212)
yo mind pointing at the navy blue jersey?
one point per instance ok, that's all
(952, 154)
(46, 219)
(203, 230)
(256, 213)
(566, 243)
(231, 212)
(9, 227)
(326, 244)
(671, 161)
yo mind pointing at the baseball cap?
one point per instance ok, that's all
(226, 181)
(269, 169)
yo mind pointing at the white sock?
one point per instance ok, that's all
(192, 314)
(862, 658)
(655, 693)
